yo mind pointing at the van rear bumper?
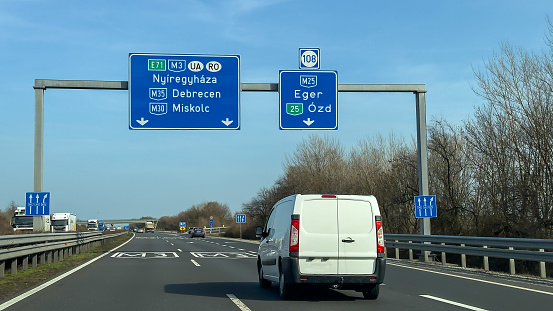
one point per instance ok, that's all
(344, 281)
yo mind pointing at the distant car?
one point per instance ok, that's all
(140, 230)
(198, 232)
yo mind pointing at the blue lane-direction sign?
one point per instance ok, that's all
(37, 203)
(310, 58)
(308, 100)
(211, 223)
(425, 206)
(184, 91)
(182, 224)
(240, 218)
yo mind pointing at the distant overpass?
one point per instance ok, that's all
(119, 221)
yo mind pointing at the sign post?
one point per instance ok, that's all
(240, 219)
(425, 208)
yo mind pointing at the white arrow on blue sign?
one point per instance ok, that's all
(37, 203)
(241, 218)
(425, 206)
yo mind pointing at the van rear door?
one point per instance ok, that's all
(356, 235)
(318, 236)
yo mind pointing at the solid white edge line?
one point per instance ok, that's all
(238, 303)
(54, 280)
(458, 304)
(195, 263)
(473, 279)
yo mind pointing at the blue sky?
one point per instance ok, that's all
(95, 167)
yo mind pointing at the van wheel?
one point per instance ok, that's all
(262, 282)
(371, 292)
(285, 290)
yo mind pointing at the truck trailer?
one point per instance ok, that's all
(64, 222)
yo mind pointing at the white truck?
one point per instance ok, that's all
(149, 227)
(22, 223)
(92, 225)
(64, 222)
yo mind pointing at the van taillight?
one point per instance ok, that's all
(379, 236)
(295, 236)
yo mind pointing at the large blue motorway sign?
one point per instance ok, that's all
(308, 99)
(37, 203)
(425, 206)
(184, 91)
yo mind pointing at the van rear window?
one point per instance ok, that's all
(319, 216)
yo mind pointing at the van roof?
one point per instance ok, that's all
(338, 196)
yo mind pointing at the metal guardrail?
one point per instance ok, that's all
(216, 230)
(537, 250)
(207, 230)
(46, 248)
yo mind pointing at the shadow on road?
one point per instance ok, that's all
(252, 291)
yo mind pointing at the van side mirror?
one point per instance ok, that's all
(259, 233)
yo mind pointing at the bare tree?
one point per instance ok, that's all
(450, 179)
(317, 166)
(259, 208)
(387, 169)
(5, 218)
(511, 140)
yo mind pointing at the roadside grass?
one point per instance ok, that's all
(13, 284)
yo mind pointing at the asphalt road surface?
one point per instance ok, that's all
(163, 271)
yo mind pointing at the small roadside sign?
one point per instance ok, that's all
(425, 206)
(37, 203)
(182, 225)
(241, 218)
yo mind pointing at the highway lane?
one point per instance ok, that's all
(168, 271)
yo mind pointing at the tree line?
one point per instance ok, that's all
(198, 216)
(492, 175)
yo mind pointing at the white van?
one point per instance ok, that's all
(331, 240)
